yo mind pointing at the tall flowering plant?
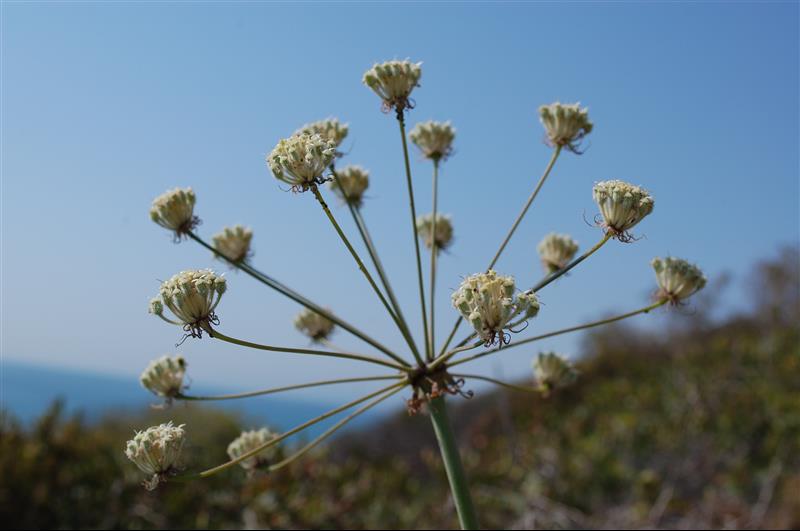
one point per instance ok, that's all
(493, 305)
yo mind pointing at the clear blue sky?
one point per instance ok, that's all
(106, 105)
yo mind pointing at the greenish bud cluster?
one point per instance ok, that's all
(301, 160)
(677, 278)
(174, 210)
(393, 82)
(192, 296)
(565, 125)
(233, 243)
(314, 325)
(156, 451)
(553, 371)
(330, 129)
(622, 206)
(556, 251)
(444, 231)
(434, 139)
(164, 376)
(350, 184)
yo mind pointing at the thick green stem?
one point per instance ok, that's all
(452, 464)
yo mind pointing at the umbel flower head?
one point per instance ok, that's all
(444, 231)
(622, 206)
(553, 371)
(329, 129)
(164, 376)
(156, 451)
(677, 279)
(314, 325)
(489, 302)
(248, 441)
(556, 251)
(234, 243)
(174, 210)
(350, 184)
(434, 139)
(192, 296)
(301, 160)
(393, 81)
(565, 125)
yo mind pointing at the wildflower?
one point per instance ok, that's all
(434, 139)
(489, 303)
(622, 206)
(350, 184)
(329, 129)
(164, 376)
(556, 251)
(444, 231)
(677, 279)
(156, 451)
(393, 81)
(234, 243)
(565, 125)
(301, 160)
(553, 371)
(192, 297)
(314, 325)
(174, 210)
(249, 441)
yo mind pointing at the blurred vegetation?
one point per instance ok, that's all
(692, 426)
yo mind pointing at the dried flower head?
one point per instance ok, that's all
(350, 184)
(553, 371)
(234, 243)
(489, 302)
(677, 279)
(314, 325)
(556, 251)
(174, 210)
(249, 441)
(444, 231)
(434, 139)
(192, 296)
(164, 376)
(329, 129)
(301, 160)
(622, 206)
(393, 81)
(156, 451)
(565, 125)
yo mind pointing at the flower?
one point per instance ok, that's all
(489, 303)
(553, 371)
(174, 210)
(329, 129)
(164, 376)
(622, 205)
(566, 125)
(192, 297)
(393, 81)
(249, 441)
(677, 279)
(444, 231)
(156, 451)
(233, 243)
(434, 139)
(314, 325)
(556, 251)
(350, 183)
(301, 159)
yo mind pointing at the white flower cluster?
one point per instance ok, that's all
(350, 184)
(301, 160)
(192, 297)
(556, 251)
(677, 278)
(174, 210)
(314, 325)
(553, 371)
(444, 231)
(565, 124)
(156, 451)
(434, 139)
(622, 205)
(233, 243)
(249, 441)
(164, 376)
(393, 81)
(329, 129)
(488, 301)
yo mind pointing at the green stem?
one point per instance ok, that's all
(444, 357)
(452, 464)
(550, 278)
(513, 387)
(434, 256)
(289, 388)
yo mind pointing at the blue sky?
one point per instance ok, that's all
(106, 105)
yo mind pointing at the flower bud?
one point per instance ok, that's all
(164, 376)
(565, 125)
(156, 451)
(301, 160)
(556, 251)
(393, 82)
(434, 139)
(174, 210)
(444, 231)
(249, 441)
(488, 302)
(233, 243)
(350, 184)
(192, 296)
(553, 371)
(314, 325)
(329, 129)
(622, 206)
(677, 279)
